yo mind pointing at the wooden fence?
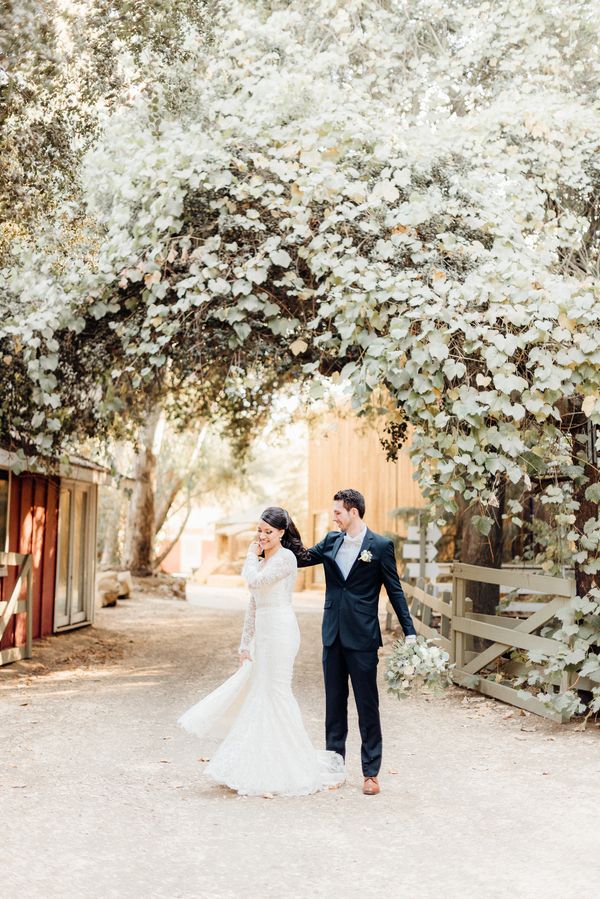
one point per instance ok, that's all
(16, 605)
(424, 603)
(458, 623)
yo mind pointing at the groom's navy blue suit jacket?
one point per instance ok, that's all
(351, 604)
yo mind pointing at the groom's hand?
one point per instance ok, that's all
(410, 639)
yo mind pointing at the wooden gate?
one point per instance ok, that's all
(505, 633)
(15, 605)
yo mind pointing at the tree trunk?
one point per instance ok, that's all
(177, 481)
(169, 497)
(111, 555)
(140, 527)
(587, 509)
(575, 422)
(111, 548)
(163, 555)
(477, 549)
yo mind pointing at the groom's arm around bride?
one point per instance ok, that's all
(357, 562)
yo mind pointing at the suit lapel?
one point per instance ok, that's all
(338, 540)
(367, 540)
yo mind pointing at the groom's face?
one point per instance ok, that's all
(342, 516)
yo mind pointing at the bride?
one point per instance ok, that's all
(265, 749)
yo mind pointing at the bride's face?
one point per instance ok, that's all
(268, 537)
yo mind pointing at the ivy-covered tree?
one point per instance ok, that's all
(400, 194)
(63, 69)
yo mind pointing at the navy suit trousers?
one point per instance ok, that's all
(360, 666)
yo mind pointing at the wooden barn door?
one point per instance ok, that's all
(76, 555)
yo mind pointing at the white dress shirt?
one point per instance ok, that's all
(348, 552)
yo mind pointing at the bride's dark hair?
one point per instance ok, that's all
(280, 519)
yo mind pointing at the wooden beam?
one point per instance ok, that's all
(15, 604)
(540, 583)
(526, 626)
(434, 602)
(506, 637)
(12, 558)
(29, 618)
(457, 655)
(496, 619)
(13, 654)
(10, 608)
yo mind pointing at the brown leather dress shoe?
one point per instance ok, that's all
(371, 786)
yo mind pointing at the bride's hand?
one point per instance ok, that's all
(245, 656)
(256, 548)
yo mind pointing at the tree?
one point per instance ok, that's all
(111, 511)
(171, 471)
(142, 515)
(63, 67)
(384, 202)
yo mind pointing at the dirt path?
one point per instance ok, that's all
(102, 796)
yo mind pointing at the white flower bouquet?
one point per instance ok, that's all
(421, 664)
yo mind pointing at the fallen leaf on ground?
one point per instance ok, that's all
(392, 771)
(203, 759)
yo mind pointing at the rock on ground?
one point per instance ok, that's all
(103, 797)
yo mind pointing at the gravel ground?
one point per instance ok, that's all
(102, 796)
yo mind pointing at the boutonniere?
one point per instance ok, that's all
(366, 556)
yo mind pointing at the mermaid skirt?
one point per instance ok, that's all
(265, 747)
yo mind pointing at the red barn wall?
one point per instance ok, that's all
(33, 528)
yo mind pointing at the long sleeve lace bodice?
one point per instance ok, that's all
(272, 584)
(271, 580)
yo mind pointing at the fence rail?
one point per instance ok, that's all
(459, 625)
(15, 605)
(423, 604)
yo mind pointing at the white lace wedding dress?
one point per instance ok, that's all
(265, 747)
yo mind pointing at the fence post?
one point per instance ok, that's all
(445, 631)
(29, 621)
(416, 606)
(459, 588)
(426, 615)
(422, 545)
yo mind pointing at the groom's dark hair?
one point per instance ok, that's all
(352, 499)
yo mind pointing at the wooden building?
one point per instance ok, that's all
(47, 526)
(345, 452)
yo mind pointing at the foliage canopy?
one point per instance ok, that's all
(399, 193)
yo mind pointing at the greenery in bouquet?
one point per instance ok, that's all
(417, 665)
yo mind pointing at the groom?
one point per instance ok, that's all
(357, 563)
